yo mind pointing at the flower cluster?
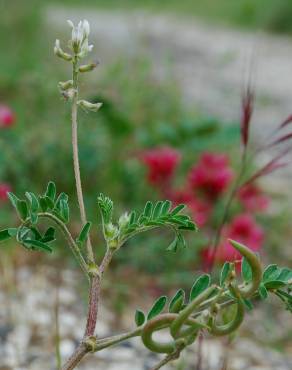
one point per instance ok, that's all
(7, 116)
(7, 119)
(161, 164)
(4, 190)
(211, 176)
(206, 182)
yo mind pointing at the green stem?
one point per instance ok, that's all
(76, 156)
(107, 342)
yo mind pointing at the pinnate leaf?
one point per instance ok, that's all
(84, 233)
(157, 307)
(139, 317)
(201, 284)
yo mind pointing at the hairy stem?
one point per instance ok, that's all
(94, 297)
(76, 157)
(94, 294)
(76, 357)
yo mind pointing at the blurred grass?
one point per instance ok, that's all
(270, 15)
(38, 149)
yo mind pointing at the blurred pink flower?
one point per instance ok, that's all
(242, 229)
(252, 198)
(161, 163)
(211, 175)
(7, 116)
(4, 189)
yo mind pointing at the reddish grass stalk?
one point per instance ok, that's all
(247, 105)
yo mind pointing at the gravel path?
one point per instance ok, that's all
(27, 330)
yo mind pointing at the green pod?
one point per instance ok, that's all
(158, 323)
(248, 290)
(183, 316)
(161, 322)
(221, 330)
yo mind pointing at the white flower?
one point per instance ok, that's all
(79, 40)
(86, 27)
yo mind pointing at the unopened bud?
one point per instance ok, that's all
(111, 231)
(113, 244)
(94, 107)
(65, 85)
(60, 53)
(93, 270)
(88, 67)
(124, 220)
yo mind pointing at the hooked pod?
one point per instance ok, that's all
(162, 322)
(225, 329)
(247, 290)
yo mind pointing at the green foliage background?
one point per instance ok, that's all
(38, 148)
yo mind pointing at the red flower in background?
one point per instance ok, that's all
(161, 163)
(200, 209)
(243, 229)
(211, 176)
(7, 117)
(253, 199)
(4, 189)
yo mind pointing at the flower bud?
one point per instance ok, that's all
(60, 53)
(111, 231)
(94, 107)
(65, 85)
(113, 244)
(124, 220)
(88, 67)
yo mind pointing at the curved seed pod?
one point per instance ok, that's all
(220, 330)
(256, 268)
(161, 322)
(157, 323)
(175, 328)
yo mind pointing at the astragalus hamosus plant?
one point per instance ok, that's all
(183, 317)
